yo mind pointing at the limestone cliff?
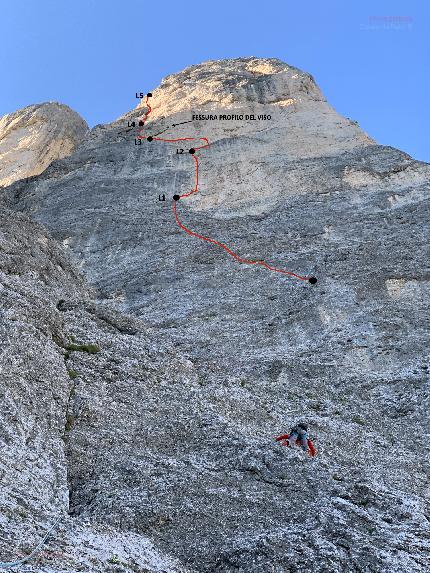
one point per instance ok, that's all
(244, 167)
(168, 429)
(41, 335)
(33, 137)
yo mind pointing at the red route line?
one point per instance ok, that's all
(196, 190)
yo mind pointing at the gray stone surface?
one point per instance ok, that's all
(170, 427)
(38, 402)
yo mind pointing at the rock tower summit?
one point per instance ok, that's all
(234, 82)
(32, 137)
(258, 86)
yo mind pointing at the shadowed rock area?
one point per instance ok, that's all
(41, 336)
(177, 367)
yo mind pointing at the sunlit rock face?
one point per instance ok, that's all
(32, 137)
(241, 173)
(169, 429)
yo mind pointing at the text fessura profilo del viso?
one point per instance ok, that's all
(231, 117)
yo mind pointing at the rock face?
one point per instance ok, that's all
(33, 137)
(244, 170)
(40, 338)
(168, 429)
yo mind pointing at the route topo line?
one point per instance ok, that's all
(176, 198)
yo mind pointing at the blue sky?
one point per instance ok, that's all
(370, 58)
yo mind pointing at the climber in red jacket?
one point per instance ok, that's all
(298, 435)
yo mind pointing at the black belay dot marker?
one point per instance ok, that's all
(149, 138)
(192, 151)
(312, 280)
(176, 197)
